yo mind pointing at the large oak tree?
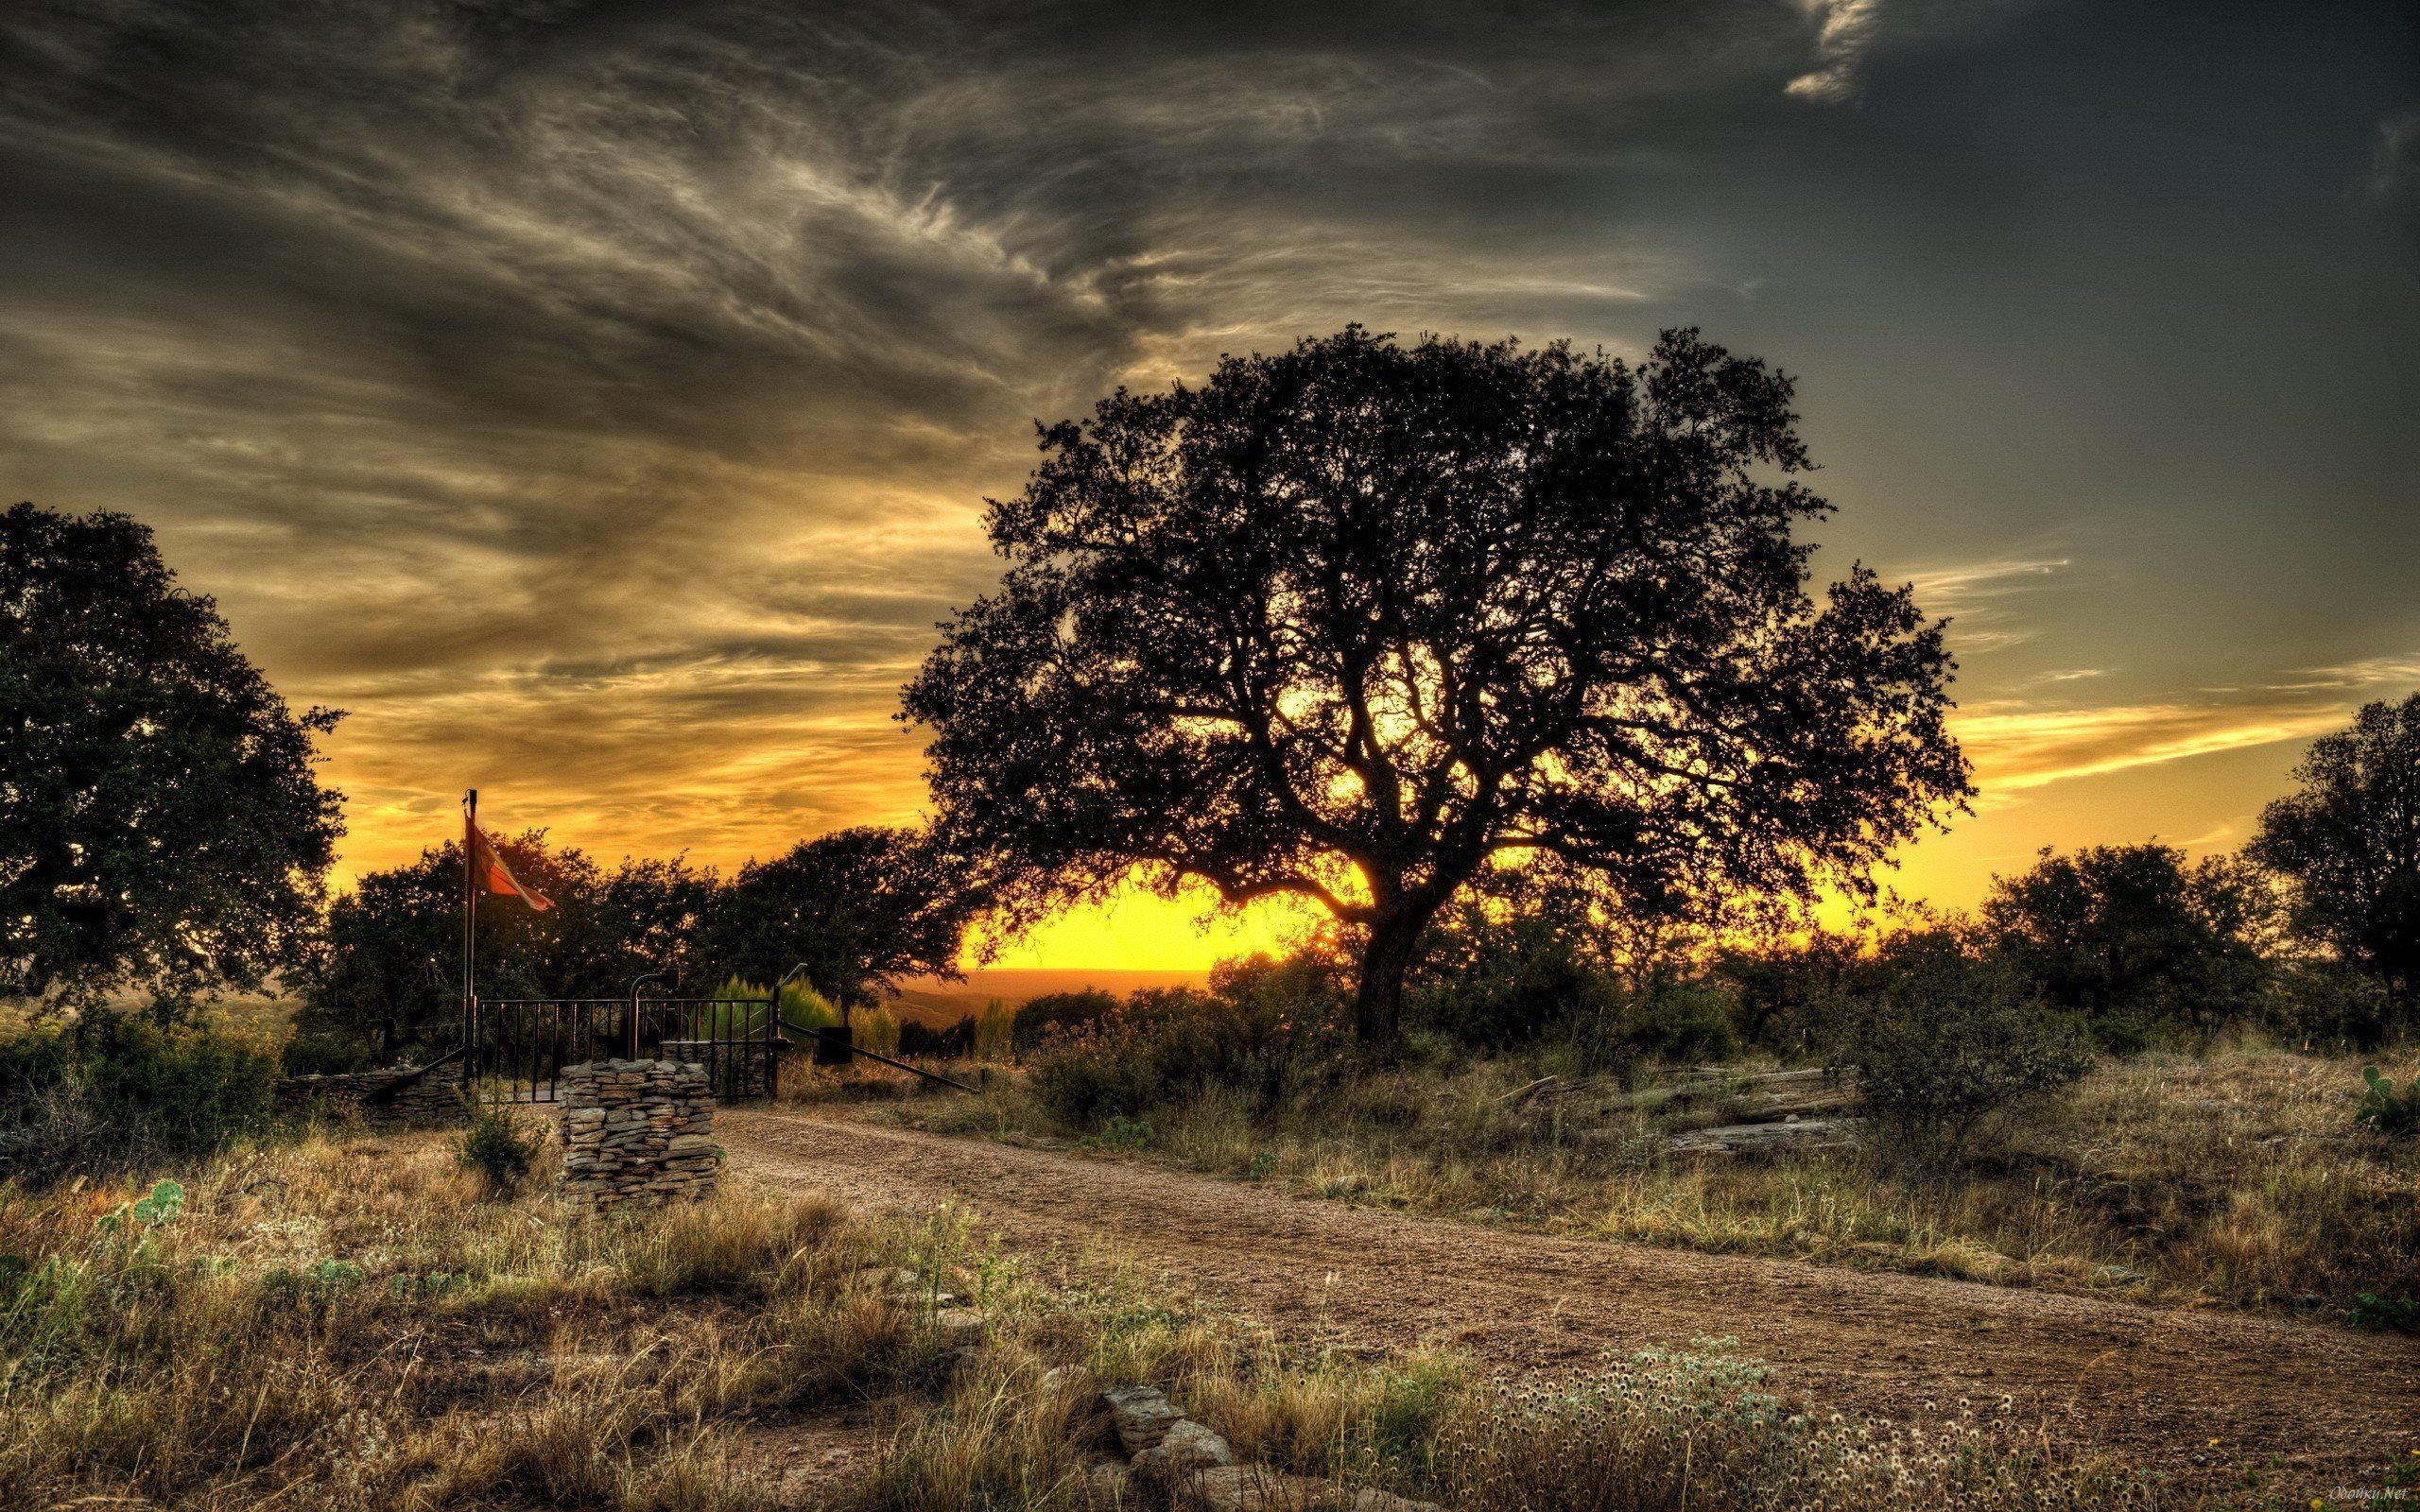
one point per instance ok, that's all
(161, 824)
(1350, 621)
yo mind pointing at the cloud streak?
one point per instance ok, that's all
(598, 399)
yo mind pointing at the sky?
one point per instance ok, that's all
(597, 400)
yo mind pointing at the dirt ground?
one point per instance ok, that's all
(2154, 1386)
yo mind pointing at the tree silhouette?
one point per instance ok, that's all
(2350, 841)
(1349, 622)
(859, 908)
(160, 822)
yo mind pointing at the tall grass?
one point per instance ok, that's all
(357, 1325)
(2237, 1175)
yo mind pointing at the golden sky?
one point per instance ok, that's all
(597, 402)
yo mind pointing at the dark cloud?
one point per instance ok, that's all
(599, 398)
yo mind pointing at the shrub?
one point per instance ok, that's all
(115, 1094)
(1951, 1044)
(2386, 1110)
(496, 1146)
(875, 1029)
(1680, 1021)
(1268, 1028)
(1038, 1019)
(994, 1032)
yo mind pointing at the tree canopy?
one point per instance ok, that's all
(2350, 842)
(160, 823)
(388, 970)
(2129, 936)
(1350, 621)
(859, 908)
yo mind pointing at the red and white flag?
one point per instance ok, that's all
(491, 875)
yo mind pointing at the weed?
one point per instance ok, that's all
(498, 1149)
(2385, 1110)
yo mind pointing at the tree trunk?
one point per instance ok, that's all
(1377, 1007)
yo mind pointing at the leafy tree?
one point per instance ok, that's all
(2129, 936)
(1348, 621)
(161, 825)
(390, 969)
(1952, 1043)
(2350, 843)
(860, 907)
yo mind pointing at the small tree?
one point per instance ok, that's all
(1347, 621)
(2350, 843)
(161, 825)
(1951, 1045)
(860, 907)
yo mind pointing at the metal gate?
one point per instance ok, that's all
(519, 1046)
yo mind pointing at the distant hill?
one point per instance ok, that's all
(933, 1002)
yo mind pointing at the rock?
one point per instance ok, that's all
(1374, 1500)
(1109, 1486)
(1254, 1488)
(1745, 1139)
(1185, 1446)
(1142, 1415)
(959, 1326)
(2117, 1276)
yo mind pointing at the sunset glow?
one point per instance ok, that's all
(601, 409)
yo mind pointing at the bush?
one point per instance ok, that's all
(1268, 1028)
(1951, 1045)
(875, 1029)
(113, 1094)
(497, 1147)
(1680, 1021)
(1038, 1019)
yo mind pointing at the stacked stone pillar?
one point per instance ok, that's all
(637, 1133)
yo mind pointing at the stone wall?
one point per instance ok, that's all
(637, 1131)
(736, 1070)
(395, 1095)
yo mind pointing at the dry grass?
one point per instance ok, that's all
(355, 1323)
(2236, 1176)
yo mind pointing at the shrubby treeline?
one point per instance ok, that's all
(858, 908)
(1947, 1023)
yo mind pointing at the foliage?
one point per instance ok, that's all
(1678, 1021)
(389, 976)
(2384, 1315)
(1038, 1019)
(116, 1094)
(1510, 965)
(995, 1033)
(2134, 939)
(2386, 1110)
(2350, 843)
(1953, 1044)
(859, 908)
(876, 1029)
(1267, 1029)
(161, 825)
(498, 1147)
(1347, 621)
(1785, 993)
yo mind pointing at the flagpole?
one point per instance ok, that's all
(470, 922)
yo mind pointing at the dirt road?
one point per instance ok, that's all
(2153, 1383)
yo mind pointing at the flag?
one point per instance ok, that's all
(491, 875)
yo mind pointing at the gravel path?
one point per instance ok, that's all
(2153, 1383)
